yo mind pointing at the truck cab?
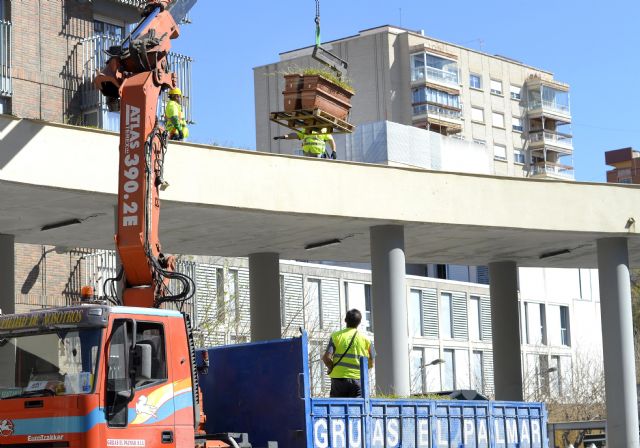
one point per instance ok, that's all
(84, 375)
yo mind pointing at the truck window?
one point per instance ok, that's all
(152, 335)
(118, 380)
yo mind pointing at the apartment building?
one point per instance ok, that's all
(521, 113)
(626, 166)
(50, 52)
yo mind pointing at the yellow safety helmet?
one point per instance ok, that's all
(175, 91)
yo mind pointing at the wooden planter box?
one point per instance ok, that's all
(315, 92)
(292, 92)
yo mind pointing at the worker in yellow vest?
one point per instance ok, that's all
(314, 142)
(174, 118)
(342, 357)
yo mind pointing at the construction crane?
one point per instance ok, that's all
(132, 81)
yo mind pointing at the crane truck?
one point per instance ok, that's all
(123, 371)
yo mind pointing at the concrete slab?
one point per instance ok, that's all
(232, 203)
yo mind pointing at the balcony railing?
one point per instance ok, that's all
(431, 110)
(552, 106)
(434, 74)
(94, 58)
(551, 138)
(552, 170)
(6, 84)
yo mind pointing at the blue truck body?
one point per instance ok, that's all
(263, 389)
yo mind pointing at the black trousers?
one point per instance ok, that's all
(345, 388)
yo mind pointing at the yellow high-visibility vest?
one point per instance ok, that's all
(349, 366)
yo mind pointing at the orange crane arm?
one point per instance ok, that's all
(132, 81)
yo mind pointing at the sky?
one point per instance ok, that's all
(592, 46)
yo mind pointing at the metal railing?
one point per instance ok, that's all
(434, 74)
(549, 105)
(6, 84)
(552, 169)
(552, 138)
(432, 110)
(94, 58)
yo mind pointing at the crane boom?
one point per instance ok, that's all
(132, 81)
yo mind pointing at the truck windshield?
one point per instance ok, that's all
(62, 362)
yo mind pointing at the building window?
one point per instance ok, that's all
(565, 332)
(555, 375)
(358, 296)
(431, 67)
(497, 120)
(449, 370)
(430, 95)
(474, 319)
(479, 141)
(477, 114)
(500, 152)
(477, 377)
(108, 29)
(415, 313)
(313, 305)
(417, 369)
(515, 92)
(496, 87)
(535, 321)
(475, 81)
(518, 156)
(516, 124)
(446, 320)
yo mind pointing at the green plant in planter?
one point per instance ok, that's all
(326, 74)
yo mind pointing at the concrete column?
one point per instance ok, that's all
(264, 287)
(390, 309)
(507, 358)
(617, 342)
(7, 274)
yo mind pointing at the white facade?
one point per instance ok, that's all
(519, 112)
(447, 320)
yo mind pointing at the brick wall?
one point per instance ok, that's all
(47, 276)
(45, 64)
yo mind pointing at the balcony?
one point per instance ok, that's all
(6, 85)
(539, 138)
(437, 118)
(551, 170)
(549, 106)
(94, 58)
(419, 74)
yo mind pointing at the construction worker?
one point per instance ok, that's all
(342, 357)
(313, 142)
(174, 119)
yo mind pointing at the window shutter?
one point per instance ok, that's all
(460, 324)
(487, 373)
(330, 296)
(485, 318)
(430, 322)
(294, 301)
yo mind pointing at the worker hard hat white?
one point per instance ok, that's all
(175, 91)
